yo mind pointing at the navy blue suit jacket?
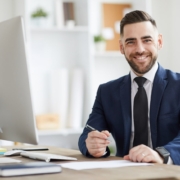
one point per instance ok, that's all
(112, 112)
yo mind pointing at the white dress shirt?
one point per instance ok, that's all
(148, 85)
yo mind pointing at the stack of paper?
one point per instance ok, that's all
(101, 164)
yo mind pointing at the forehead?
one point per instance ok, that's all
(140, 29)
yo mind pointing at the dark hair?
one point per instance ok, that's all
(135, 17)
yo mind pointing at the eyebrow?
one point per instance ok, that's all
(145, 37)
(132, 39)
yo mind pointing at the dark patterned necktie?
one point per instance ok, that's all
(140, 114)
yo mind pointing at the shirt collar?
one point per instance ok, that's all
(149, 75)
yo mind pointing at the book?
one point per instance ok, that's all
(68, 8)
(29, 168)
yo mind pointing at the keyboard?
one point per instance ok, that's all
(45, 156)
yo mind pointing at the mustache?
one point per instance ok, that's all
(141, 54)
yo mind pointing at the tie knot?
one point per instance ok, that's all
(140, 81)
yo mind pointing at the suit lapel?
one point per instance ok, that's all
(160, 82)
(125, 94)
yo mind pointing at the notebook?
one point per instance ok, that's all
(45, 156)
(29, 168)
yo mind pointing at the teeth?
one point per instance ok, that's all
(141, 58)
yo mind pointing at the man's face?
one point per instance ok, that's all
(140, 44)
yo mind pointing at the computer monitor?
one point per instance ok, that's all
(16, 113)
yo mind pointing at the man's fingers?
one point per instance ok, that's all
(97, 142)
(143, 153)
(99, 154)
(147, 159)
(98, 145)
(97, 134)
(137, 153)
(126, 157)
(106, 133)
(99, 150)
(139, 157)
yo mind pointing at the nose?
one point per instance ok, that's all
(140, 47)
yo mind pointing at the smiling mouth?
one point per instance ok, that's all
(141, 58)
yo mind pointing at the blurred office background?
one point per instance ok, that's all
(68, 57)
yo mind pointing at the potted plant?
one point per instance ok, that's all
(39, 17)
(100, 43)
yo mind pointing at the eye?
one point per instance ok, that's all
(147, 40)
(130, 42)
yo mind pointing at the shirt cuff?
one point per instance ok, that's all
(170, 161)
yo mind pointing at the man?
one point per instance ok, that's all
(142, 133)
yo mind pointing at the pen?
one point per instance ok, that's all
(90, 128)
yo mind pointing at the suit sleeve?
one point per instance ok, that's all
(173, 148)
(97, 120)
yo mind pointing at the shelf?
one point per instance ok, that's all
(63, 29)
(108, 54)
(63, 132)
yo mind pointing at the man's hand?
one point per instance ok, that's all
(97, 142)
(143, 153)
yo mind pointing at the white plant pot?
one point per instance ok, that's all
(100, 46)
(39, 22)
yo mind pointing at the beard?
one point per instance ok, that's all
(139, 70)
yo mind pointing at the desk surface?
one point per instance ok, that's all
(125, 173)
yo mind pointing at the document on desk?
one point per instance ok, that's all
(101, 164)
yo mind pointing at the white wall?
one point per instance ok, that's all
(175, 36)
(11, 8)
(18, 7)
(142, 5)
(6, 9)
(162, 17)
(166, 13)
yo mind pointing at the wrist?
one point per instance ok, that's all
(160, 158)
(163, 153)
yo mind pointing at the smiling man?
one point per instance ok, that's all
(142, 109)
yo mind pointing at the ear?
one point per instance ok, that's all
(121, 47)
(160, 41)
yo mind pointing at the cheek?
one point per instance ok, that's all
(154, 49)
(128, 52)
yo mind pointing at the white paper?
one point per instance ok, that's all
(8, 160)
(101, 164)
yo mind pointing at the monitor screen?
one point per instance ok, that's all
(17, 121)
